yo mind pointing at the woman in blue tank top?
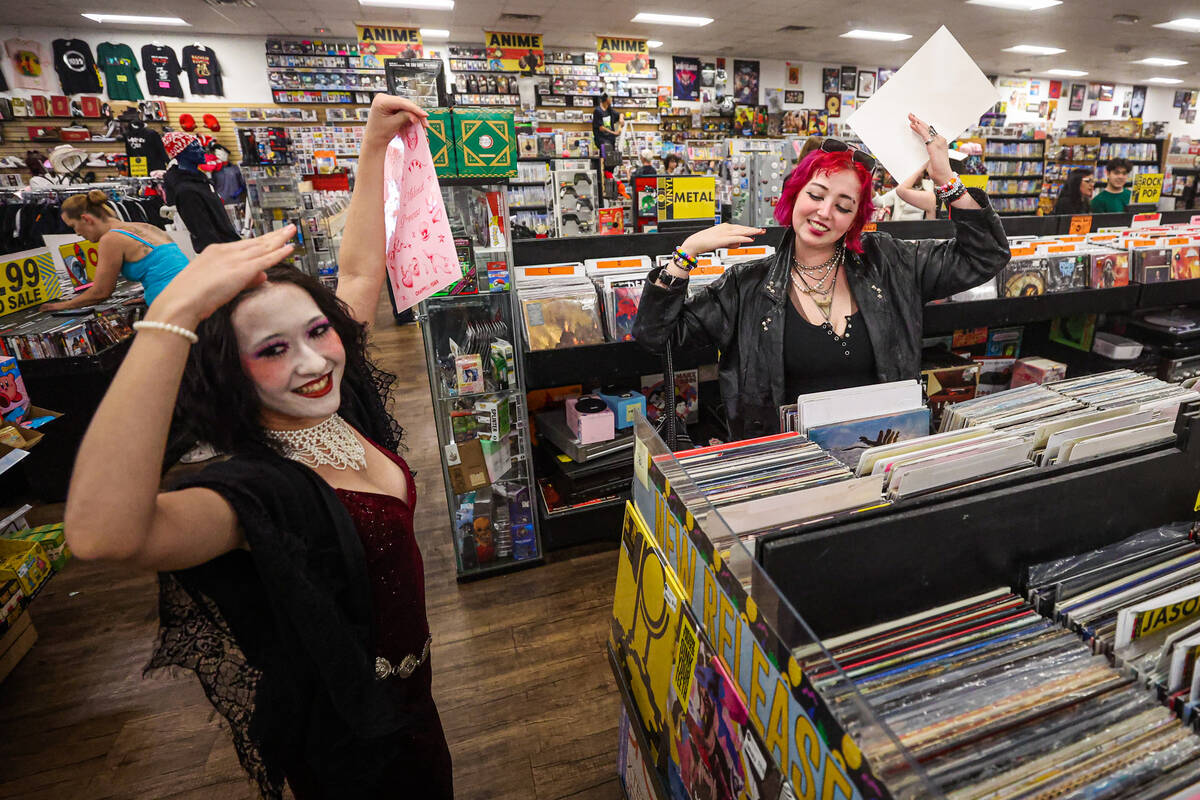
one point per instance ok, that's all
(134, 250)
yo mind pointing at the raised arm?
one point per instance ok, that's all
(121, 515)
(361, 268)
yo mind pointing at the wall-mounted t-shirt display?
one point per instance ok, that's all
(120, 71)
(162, 71)
(75, 66)
(144, 146)
(204, 73)
(29, 71)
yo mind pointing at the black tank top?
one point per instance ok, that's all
(816, 359)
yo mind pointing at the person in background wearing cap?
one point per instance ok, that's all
(192, 194)
(135, 250)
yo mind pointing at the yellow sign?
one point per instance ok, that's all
(691, 197)
(21, 283)
(514, 52)
(974, 181)
(1155, 619)
(378, 43)
(1147, 187)
(139, 166)
(618, 55)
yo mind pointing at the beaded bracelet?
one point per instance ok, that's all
(952, 191)
(688, 262)
(168, 327)
(946, 187)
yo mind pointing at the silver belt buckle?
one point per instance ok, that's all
(385, 669)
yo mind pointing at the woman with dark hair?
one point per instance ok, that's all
(290, 579)
(834, 307)
(1076, 194)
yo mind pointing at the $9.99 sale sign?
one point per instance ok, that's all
(21, 280)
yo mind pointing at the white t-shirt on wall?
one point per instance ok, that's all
(29, 66)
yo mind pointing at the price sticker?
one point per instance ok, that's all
(21, 281)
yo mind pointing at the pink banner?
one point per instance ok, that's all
(421, 258)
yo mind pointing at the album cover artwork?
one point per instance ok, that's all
(845, 441)
(1185, 263)
(1153, 265)
(1065, 273)
(1110, 270)
(556, 322)
(1023, 278)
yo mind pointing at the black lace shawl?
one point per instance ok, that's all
(267, 629)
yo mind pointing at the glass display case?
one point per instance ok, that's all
(478, 390)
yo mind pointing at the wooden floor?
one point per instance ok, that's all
(520, 677)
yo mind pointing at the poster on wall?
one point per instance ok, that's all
(794, 74)
(378, 43)
(1179, 100)
(1094, 109)
(882, 76)
(774, 100)
(745, 82)
(848, 103)
(866, 83)
(708, 73)
(1137, 101)
(1106, 92)
(793, 97)
(849, 79)
(514, 52)
(831, 80)
(619, 55)
(686, 79)
(1055, 90)
(833, 105)
(1093, 92)
(1078, 93)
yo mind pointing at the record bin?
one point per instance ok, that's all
(478, 389)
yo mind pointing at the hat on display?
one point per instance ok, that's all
(211, 123)
(175, 142)
(187, 122)
(66, 159)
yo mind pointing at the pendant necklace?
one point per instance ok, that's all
(330, 442)
(820, 293)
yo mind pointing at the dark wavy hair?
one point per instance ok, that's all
(818, 162)
(218, 403)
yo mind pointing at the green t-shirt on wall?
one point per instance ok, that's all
(120, 71)
(1106, 202)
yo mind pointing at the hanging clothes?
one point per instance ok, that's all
(162, 71)
(75, 66)
(200, 207)
(144, 143)
(120, 71)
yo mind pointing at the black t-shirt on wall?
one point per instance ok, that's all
(145, 142)
(162, 71)
(75, 66)
(204, 73)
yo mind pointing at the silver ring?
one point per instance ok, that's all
(930, 139)
(932, 133)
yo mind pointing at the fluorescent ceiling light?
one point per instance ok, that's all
(1161, 62)
(1164, 80)
(1069, 73)
(439, 5)
(1189, 24)
(1017, 5)
(133, 19)
(1034, 50)
(878, 36)
(435, 33)
(672, 19)
(652, 43)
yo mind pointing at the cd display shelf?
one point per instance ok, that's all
(799, 585)
(478, 398)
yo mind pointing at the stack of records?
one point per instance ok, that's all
(562, 314)
(1138, 601)
(31, 334)
(1016, 408)
(1121, 388)
(995, 701)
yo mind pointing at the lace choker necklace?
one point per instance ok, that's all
(329, 442)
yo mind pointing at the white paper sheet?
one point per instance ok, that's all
(941, 85)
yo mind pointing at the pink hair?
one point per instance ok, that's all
(818, 162)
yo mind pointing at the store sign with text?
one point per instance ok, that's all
(1147, 187)
(378, 43)
(618, 55)
(691, 197)
(21, 280)
(514, 52)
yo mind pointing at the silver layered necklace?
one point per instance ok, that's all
(819, 281)
(331, 442)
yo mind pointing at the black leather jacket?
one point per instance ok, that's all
(742, 313)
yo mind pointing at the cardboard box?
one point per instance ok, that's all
(466, 467)
(12, 604)
(26, 562)
(16, 643)
(51, 537)
(485, 143)
(1037, 370)
(441, 142)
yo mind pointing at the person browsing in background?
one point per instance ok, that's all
(1116, 195)
(136, 251)
(834, 307)
(290, 578)
(1076, 194)
(647, 167)
(604, 123)
(913, 199)
(674, 164)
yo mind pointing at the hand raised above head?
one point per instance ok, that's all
(937, 147)
(390, 115)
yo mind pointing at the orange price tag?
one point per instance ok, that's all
(618, 263)
(1023, 251)
(753, 251)
(1179, 240)
(870, 227)
(1062, 248)
(561, 270)
(1081, 223)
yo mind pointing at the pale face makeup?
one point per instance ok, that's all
(825, 209)
(292, 354)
